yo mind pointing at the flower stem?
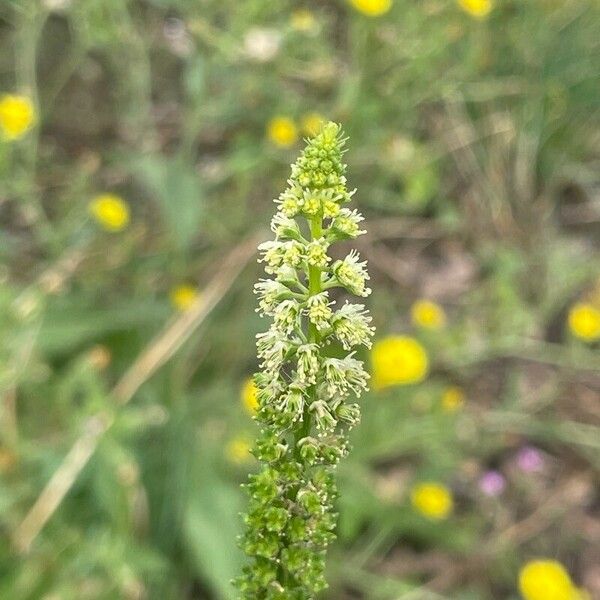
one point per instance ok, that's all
(314, 288)
(314, 274)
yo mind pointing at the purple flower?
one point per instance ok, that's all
(530, 459)
(492, 483)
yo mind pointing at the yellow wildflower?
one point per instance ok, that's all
(398, 360)
(183, 296)
(452, 399)
(17, 115)
(282, 131)
(584, 321)
(303, 20)
(477, 8)
(428, 315)
(248, 396)
(311, 123)
(372, 8)
(110, 211)
(237, 450)
(433, 500)
(545, 579)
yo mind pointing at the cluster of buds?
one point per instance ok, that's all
(308, 376)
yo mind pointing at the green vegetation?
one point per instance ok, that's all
(141, 146)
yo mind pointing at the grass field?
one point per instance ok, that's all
(141, 145)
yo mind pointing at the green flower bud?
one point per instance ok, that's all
(310, 501)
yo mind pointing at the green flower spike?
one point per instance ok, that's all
(303, 391)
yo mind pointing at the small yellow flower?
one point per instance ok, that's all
(477, 8)
(17, 115)
(584, 321)
(372, 8)
(398, 360)
(282, 131)
(311, 123)
(428, 315)
(303, 20)
(452, 399)
(547, 580)
(183, 296)
(238, 450)
(433, 500)
(248, 396)
(110, 211)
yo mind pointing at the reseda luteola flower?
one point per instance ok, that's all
(305, 382)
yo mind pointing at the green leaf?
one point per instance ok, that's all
(211, 526)
(175, 185)
(67, 325)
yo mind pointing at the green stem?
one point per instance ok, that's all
(314, 337)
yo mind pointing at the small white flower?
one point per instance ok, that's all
(262, 44)
(291, 406)
(293, 254)
(352, 274)
(272, 255)
(316, 253)
(324, 419)
(347, 223)
(311, 203)
(349, 413)
(269, 293)
(342, 375)
(288, 276)
(331, 203)
(290, 202)
(356, 377)
(284, 228)
(272, 347)
(308, 363)
(286, 316)
(319, 312)
(335, 377)
(351, 326)
(268, 389)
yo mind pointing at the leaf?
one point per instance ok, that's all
(194, 78)
(67, 325)
(175, 185)
(211, 526)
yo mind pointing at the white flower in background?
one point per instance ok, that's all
(57, 5)
(262, 44)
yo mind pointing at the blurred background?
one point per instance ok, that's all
(141, 145)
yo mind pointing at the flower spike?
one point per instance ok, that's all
(304, 385)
